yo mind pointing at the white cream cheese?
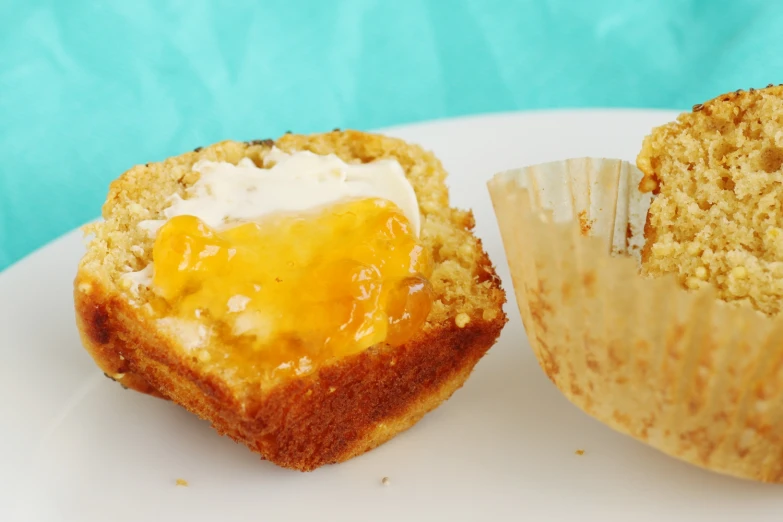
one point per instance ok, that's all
(134, 280)
(227, 193)
(191, 334)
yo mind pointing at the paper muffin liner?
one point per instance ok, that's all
(688, 374)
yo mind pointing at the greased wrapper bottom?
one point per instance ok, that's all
(688, 374)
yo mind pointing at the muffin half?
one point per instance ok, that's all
(717, 215)
(381, 320)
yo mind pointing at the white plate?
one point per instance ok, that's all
(77, 447)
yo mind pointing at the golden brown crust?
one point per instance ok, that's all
(343, 409)
(339, 412)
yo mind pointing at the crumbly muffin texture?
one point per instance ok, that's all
(717, 215)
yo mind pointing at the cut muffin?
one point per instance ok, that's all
(345, 406)
(716, 218)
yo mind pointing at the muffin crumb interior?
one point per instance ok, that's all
(717, 218)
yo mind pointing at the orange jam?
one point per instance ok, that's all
(291, 291)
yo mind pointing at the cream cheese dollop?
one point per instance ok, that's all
(227, 194)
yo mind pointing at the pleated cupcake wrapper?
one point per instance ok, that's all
(683, 371)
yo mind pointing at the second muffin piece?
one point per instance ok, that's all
(717, 217)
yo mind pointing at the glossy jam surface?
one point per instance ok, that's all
(292, 291)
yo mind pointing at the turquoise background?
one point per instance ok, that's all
(90, 88)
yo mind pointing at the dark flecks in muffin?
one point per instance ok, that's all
(264, 143)
(197, 149)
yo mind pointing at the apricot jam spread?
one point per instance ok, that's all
(293, 289)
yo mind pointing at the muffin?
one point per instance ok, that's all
(717, 218)
(649, 294)
(310, 296)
